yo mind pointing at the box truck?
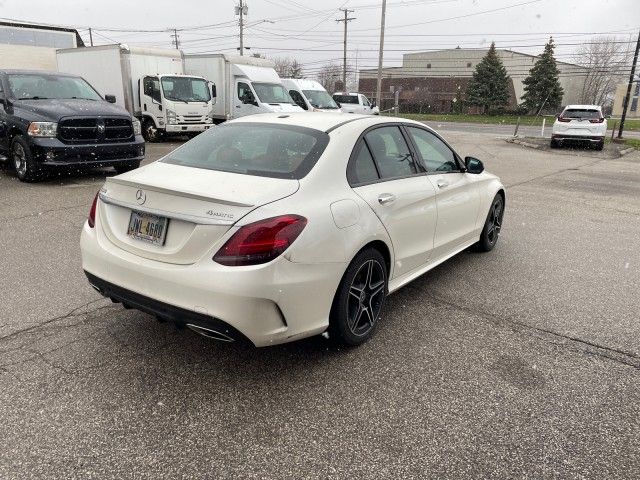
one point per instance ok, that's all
(149, 82)
(241, 85)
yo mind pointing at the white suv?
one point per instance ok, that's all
(355, 103)
(584, 123)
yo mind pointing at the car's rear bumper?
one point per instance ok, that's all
(562, 137)
(51, 152)
(269, 304)
(188, 128)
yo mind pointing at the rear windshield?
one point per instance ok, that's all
(265, 150)
(346, 99)
(580, 113)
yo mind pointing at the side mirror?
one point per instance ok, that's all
(473, 165)
(110, 98)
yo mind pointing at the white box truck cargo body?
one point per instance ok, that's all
(148, 82)
(242, 85)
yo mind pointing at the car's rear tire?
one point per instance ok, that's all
(26, 168)
(359, 301)
(492, 225)
(127, 167)
(599, 145)
(554, 144)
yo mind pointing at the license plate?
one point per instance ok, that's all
(148, 228)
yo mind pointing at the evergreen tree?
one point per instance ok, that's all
(542, 87)
(489, 87)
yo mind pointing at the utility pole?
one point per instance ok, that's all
(175, 40)
(625, 103)
(90, 37)
(379, 88)
(241, 10)
(346, 20)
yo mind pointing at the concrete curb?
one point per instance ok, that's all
(626, 150)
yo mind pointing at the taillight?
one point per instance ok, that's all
(597, 120)
(564, 120)
(260, 242)
(91, 220)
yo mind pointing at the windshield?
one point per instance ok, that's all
(320, 99)
(272, 93)
(186, 89)
(346, 99)
(581, 113)
(33, 86)
(280, 151)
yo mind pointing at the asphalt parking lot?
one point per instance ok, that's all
(524, 362)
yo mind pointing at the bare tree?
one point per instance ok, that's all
(606, 59)
(328, 75)
(288, 67)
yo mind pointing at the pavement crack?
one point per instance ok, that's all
(72, 313)
(51, 210)
(574, 343)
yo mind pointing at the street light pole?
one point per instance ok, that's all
(379, 86)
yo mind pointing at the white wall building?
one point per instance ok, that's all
(461, 62)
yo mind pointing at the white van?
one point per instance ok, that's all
(310, 95)
(242, 85)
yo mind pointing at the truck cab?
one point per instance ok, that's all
(174, 104)
(355, 103)
(241, 85)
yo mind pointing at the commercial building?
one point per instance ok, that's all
(618, 101)
(33, 47)
(439, 78)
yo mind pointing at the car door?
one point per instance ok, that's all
(152, 99)
(365, 106)
(244, 100)
(384, 173)
(457, 194)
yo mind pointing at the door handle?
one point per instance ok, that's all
(442, 184)
(386, 198)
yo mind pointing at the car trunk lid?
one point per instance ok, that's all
(199, 206)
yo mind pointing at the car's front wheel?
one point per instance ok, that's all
(26, 168)
(492, 225)
(360, 299)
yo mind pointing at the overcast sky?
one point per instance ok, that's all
(308, 31)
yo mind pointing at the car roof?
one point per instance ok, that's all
(303, 83)
(324, 122)
(583, 107)
(347, 93)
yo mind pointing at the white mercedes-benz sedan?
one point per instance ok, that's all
(276, 227)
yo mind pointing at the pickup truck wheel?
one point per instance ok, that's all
(150, 132)
(126, 167)
(27, 170)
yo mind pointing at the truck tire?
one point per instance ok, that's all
(26, 168)
(150, 132)
(126, 167)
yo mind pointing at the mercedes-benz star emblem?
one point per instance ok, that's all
(100, 128)
(141, 197)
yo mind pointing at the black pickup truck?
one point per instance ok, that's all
(51, 120)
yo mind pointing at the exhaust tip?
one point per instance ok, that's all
(209, 333)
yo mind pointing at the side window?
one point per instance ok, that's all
(365, 101)
(298, 99)
(436, 155)
(244, 92)
(362, 169)
(152, 88)
(390, 151)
